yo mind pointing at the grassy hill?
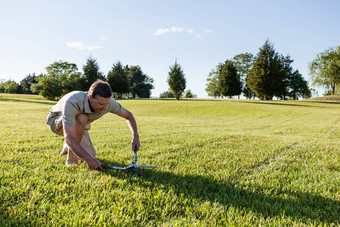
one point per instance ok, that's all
(221, 162)
(332, 98)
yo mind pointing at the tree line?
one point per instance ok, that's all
(63, 77)
(270, 74)
(264, 76)
(126, 81)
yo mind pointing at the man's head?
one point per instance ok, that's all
(99, 95)
(100, 88)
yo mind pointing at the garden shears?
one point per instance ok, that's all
(133, 166)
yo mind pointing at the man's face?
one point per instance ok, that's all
(98, 103)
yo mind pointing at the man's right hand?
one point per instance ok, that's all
(94, 164)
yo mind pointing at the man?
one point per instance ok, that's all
(71, 118)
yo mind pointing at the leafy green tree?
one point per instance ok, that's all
(325, 69)
(267, 76)
(91, 74)
(66, 74)
(48, 87)
(12, 87)
(167, 94)
(27, 82)
(189, 94)
(229, 82)
(298, 86)
(9, 86)
(243, 63)
(140, 83)
(61, 78)
(118, 80)
(212, 82)
(2, 87)
(176, 80)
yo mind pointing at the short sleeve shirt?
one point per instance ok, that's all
(77, 102)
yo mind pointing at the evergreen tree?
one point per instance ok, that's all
(249, 94)
(118, 80)
(176, 80)
(91, 74)
(298, 86)
(229, 83)
(267, 76)
(140, 83)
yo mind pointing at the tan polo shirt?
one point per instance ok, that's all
(77, 102)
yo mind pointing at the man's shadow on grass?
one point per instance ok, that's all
(302, 206)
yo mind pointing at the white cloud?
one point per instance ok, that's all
(190, 31)
(104, 38)
(162, 31)
(80, 46)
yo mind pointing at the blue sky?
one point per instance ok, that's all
(153, 34)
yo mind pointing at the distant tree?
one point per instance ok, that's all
(284, 77)
(48, 87)
(212, 82)
(91, 74)
(189, 94)
(249, 94)
(243, 63)
(2, 87)
(61, 78)
(167, 94)
(176, 80)
(267, 76)
(9, 86)
(27, 82)
(298, 86)
(325, 69)
(118, 80)
(12, 87)
(66, 74)
(140, 83)
(229, 82)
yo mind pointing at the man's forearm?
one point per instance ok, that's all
(78, 149)
(132, 125)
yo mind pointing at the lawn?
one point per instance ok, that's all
(221, 162)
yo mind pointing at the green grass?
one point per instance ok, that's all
(334, 98)
(221, 162)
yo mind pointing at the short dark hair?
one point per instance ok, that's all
(100, 88)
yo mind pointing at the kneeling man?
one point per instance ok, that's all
(71, 118)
